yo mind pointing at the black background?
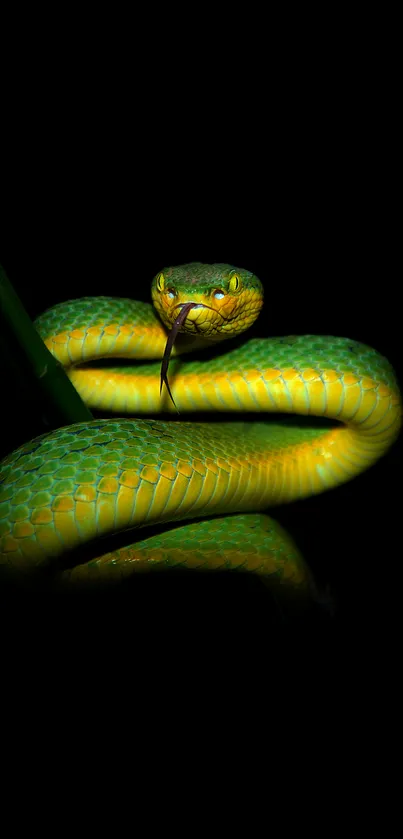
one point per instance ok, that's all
(304, 198)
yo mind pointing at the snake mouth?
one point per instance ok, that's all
(198, 306)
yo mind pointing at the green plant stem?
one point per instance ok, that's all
(65, 404)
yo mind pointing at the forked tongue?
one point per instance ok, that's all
(169, 344)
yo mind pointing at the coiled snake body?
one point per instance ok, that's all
(84, 481)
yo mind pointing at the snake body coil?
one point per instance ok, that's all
(87, 480)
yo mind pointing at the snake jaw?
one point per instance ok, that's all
(207, 320)
(215, 320)
(198, 305)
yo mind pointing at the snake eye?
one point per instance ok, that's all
(234, 283)
(219, 294)
(160, 282)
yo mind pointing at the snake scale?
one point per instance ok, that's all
(339, 406)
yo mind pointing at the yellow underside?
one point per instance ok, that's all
(369, 412)
(369, 415)
(229, 469)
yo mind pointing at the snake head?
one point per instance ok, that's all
(212, 301)
(226, 300)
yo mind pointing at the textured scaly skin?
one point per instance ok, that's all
(87, 480)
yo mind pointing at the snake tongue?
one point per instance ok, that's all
(169, 344)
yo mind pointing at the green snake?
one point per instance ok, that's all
(340, 411)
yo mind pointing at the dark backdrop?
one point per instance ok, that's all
(315, 222)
